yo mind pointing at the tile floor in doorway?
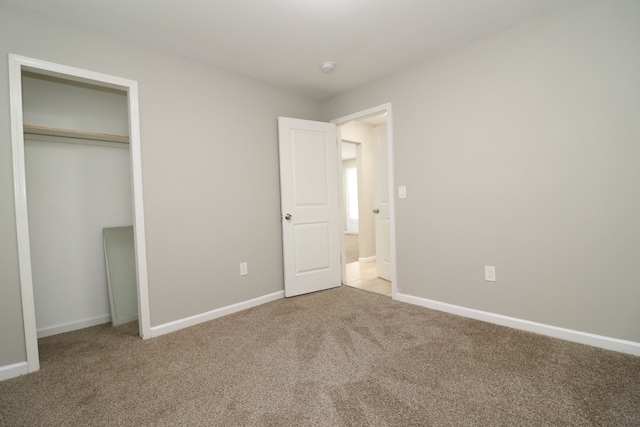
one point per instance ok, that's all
(364, 275)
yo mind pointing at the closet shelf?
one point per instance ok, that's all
(78, 134)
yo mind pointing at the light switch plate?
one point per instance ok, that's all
(244, 269)
(402, 192)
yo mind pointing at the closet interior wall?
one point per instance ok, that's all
(75, 188)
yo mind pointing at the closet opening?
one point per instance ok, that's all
(76, 148)
(77, 172)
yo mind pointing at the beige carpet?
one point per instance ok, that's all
(342, 357)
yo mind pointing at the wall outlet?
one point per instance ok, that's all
(244, 269)
(489, 273)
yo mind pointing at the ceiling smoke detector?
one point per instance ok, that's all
(328, 66)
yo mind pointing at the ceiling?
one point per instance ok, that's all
(283, 42)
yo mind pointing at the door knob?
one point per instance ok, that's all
(375, 211)
(288, 217)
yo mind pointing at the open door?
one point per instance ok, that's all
(381, 196)
(310, 205)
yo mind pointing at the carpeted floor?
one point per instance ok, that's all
(342, 357)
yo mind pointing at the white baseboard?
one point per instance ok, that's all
(72, 326)
(14, 370)
(600, 341)
(367, 259)
(176, 325)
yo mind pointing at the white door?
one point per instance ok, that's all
(310, 205)
(381, 197)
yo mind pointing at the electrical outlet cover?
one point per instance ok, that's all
(489, 273)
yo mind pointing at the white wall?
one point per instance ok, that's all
(360, 132)
(73, 192)
(54, 102)
(346, 164)
(521, 151)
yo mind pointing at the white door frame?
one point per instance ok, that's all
(16, 65)
(369, 112)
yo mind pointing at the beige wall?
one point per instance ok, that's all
(204, 215)
(361, 132)
(522, 151)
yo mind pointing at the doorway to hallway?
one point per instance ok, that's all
(365, 151)
(364, 275)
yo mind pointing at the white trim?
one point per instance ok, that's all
(12, 371)
(140, 240)
(176, 325)
(600, 341)
(16, 65)
(364, 114)
(72, 326)
(343, 209)
(367, 259)
(22, 223)
(369, 112)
